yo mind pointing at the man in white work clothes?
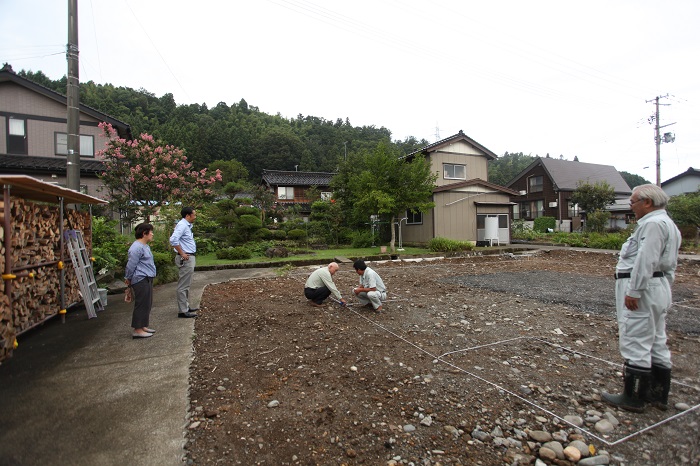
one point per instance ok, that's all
(371, 290)
(644, 274)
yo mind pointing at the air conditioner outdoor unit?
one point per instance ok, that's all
(522, 193)
(553, 204)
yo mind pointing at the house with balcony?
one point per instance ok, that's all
(545, 187)
(467, 207)
(292, 188)
(33, 133)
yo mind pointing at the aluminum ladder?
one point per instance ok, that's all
(83, 270)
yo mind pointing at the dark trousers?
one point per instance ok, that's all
(317, 295)
(143, 302)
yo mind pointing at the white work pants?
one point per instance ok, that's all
(374, 297)
(642, 333)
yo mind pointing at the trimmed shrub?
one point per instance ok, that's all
(448, 245)
(296, 235)
(237, 253)
(263, 233)
(246, 210)
(279, 234)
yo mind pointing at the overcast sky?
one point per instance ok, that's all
(538, 77)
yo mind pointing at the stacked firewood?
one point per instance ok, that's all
(34, 295)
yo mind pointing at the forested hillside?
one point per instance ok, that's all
(233, 132)
(242, 132)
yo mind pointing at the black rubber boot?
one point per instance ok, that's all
(636, 383)
(659, 386)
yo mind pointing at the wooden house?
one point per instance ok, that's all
(467, 207)
(291, 188)
(544, 189)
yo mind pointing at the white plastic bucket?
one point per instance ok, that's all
(103, 296)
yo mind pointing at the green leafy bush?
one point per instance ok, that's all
(595, 221)
(521, 230)
(258, 248)
(448, 245)
(109, 247)
(344, 235)
(237, 253)
(296, 235)
(280, 235)
(246, 210)
(541, 224)
(361, 239)
(263, 233)
(606, 241)
(294, 224)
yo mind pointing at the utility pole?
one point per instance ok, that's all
(73, 100)
(668, 137)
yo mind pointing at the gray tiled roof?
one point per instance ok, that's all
(690, 172)
(295, 178)
(25, 164)
(565, 174)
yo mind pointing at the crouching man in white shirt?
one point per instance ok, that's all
(371, 291)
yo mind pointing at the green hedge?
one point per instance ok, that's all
(541, 224)
(448, 245)
(237, 253)
(296, 235)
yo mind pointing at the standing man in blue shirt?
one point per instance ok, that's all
(182, 241)
(644, 274)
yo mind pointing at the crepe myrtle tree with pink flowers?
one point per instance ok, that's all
(143, 174)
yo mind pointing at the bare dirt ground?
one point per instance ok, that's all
(468, 361)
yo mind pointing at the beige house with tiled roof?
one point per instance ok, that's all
(33, 138)
(467, 207)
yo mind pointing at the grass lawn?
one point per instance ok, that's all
(323, 254)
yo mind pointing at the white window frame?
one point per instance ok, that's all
(326, 195)
(17, 127)
(452, 167)
(530, 185)
(87, 144)
(17, 136)
(285, 193)
(414, 218)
